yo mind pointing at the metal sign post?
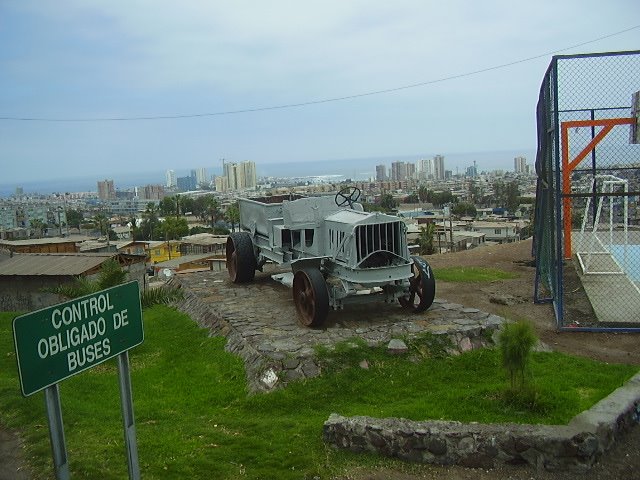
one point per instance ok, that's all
(58, 342)
(126, 400)
(56, 432)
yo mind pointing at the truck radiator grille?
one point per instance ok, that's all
(381, 237)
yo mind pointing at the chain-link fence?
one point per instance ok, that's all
(587, 234)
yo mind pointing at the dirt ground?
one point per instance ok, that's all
(622, 462)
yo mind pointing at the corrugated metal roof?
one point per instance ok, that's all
(176, 262)
(51, 264)
(205, 239)
(38, 241)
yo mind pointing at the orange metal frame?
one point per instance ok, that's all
(569, 165)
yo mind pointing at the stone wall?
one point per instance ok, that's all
(24, 294)
(576, 446)
(260, 323)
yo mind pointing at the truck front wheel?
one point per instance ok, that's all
(241, 261)
(422, 287)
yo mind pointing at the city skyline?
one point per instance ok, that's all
(339, 170)
(278, 83)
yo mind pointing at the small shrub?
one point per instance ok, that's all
(160, 295)
(516, 341)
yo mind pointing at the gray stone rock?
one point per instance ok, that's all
(397, 347)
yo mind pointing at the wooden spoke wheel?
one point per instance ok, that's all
(241, 260)
(311, 297)
(422, 287)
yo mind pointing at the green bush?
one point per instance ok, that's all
(516, 341)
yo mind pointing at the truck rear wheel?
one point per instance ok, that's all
(311, 297)
(422, 287)
(241, 261)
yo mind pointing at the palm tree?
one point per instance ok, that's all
(38, 226)
(151, 220)
(101, 222)
(425, 239)
(212, 209)
(233, 215)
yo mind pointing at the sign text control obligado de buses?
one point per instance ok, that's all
(57, 342)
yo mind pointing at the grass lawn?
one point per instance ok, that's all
(194, 418)
(472, 274)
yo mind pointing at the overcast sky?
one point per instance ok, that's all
(86, 59)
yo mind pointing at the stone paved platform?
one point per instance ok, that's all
(260, 322)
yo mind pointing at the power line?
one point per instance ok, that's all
(315, 102)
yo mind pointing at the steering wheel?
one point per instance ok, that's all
(347, 195)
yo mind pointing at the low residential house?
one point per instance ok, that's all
(162, 251)
(133, 247)
(498, 232)
(97, 246)
(466, 240)
(24, 277)
(204, 243)
(40, 245)
(122, 233)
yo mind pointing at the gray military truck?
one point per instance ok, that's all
(337, 252)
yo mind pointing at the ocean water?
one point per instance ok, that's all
(352, 168)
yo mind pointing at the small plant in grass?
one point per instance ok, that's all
(160, 295)
(516, 341)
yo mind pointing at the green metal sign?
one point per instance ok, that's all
(60, 341)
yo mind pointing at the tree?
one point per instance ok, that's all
(513, 196)
(475, 193)
(187, 205)
(150, 222)
(464, 209)
(37, 227)
(74, 217)
(425, 239)
(387, 202)
(101, 223)
(211, 210)
(423, 193)
(233, 215)
(506, 195)
(167, 206)
(174, 228)
(412, 198)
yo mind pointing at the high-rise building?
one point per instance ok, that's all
(240, 176)
(170, 179)
(381, 173)
(186, 184)
(411, 170)
(438, 167)
(520, 165)
(201, 177)
(222, 184)
(106, 190)
(398, 171)
(424, 168)
(153, 192)
(250, 175)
